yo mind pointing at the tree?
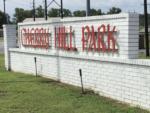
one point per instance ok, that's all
(99, 12)
(94, 12)
(67, 13)
(54, 12)
(39, 12)
(21, 14)
(79, 13)
(142, 21)
(82, 13)
(2, 18)
(114, 10)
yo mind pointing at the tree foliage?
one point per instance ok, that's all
(82, 13)
(114, 10)
(79, 13)
(54, 12)
(39, 12)
(67, 13)
(2, 19)
(21, 14)
(94, 12)
(142, 20)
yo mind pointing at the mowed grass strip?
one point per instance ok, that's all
(143, 56)
(1, 39)
(21, 93)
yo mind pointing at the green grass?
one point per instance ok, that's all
(1, 62)
(1, 39)
(143, 56)
(21, 93)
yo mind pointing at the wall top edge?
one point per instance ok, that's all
(9, 25)
(76, 19)
(138, 62)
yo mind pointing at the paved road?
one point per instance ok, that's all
(1, 47)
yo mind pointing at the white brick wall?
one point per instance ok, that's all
(112, 75)
(124, 80)
(127, 37)
(9, 42)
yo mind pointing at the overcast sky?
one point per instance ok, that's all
(125, 5)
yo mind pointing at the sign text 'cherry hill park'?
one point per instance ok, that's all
(96, 39)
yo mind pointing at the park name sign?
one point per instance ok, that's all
(112, 36)
(104, 48)
(100, 39)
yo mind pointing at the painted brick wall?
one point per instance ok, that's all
(127, 35)
(118, 76)
(124, 80)
(10, 41)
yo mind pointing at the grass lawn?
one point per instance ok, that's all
(143, 56)
(1, 39)
(21, 93)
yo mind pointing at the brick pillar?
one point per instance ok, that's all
(133, 36)
(9, 42)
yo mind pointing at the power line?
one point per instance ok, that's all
(61, 9)
(5, 18)
(60, 5)
(45, 9)
(54, 2)
(33, 10)
(50, 3)
(88, 8)
(25, 4)
(146, 28)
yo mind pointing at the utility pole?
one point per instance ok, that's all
(33, 10)
(61, 10)
(45, 9)
(88, 8)
(4, 18)
(60, 5)
(146, 28)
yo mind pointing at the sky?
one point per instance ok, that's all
(105, 5)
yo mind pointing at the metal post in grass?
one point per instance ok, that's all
(35, 60)
(82, 87)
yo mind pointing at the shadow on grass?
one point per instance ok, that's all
(9, 82)
(36, 80)
(143, 56)
(3, 93)
(49, 92)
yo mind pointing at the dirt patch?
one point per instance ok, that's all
(48, 81)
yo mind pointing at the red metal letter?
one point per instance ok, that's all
(101, 44)
(85, 41)
(111, 38)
